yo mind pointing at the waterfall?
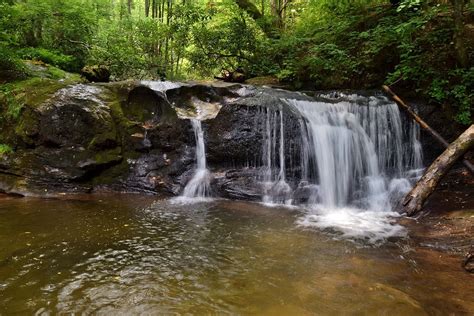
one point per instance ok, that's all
(199, 185)
(357, 157)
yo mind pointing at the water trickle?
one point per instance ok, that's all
(276, 189)
(199, 185)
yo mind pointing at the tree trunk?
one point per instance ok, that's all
(414, 200)
(147, 8)
(424, 125)
(129, 6)
(458, 36)
(162, 11)
(154, 9)
(276, 13)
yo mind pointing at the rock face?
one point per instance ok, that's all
(135, 136)
(86, 136)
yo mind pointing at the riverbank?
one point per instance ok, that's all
(447, 222)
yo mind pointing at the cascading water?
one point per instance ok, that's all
(199, 185)
(356, 157)
(276, 189)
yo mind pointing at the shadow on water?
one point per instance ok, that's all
(135, 254)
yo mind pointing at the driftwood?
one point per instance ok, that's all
(424, 125)
(414, 200)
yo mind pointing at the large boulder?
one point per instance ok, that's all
(123, 136)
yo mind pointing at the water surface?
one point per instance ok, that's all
(134, 254)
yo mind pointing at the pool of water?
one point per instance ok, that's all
(143, 255)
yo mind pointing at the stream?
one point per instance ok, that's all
(135, 254)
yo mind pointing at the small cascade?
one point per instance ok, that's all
(356, 159)
(199, 185)
(276, 189)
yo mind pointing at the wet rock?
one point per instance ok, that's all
(77, 116)
(239, 184)
(147, 105)
(306, 193)
(135, 136)
(131, 136)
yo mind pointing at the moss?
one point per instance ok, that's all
(57, 73)
(263, 80)
(27, 127)
(34, 91)
(11, 183)
(5, 149)
(113, 174)
(106, 157)
(40, 69)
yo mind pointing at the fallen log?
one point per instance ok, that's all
(414, 200)
(469, 166)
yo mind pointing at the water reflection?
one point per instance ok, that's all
(136, 255)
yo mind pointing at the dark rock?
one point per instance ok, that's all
(146, 105)
(128, 136)
(96, 73)
(239, 184)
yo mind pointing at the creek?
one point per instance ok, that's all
(133, 254)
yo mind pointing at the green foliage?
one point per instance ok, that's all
(11, 107)
(53, 30)
(51, 57)
(224, 40)
(5, 149)
(11, 67)
(406, 5)
(428, 64)
(322, 44)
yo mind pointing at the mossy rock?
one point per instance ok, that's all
(40, 69)
(96, 73)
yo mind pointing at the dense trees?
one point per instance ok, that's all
(420, 45)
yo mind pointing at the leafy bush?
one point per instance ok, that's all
(48, 56)
(11, 67)
(5, 149)
(10, 106)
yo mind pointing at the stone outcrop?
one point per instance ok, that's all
(134, 136)
(126, 136)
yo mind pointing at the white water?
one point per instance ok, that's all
(356, 159)
(162, 85)
(276, 189)
(198, 188)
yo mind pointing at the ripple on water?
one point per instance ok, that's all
(222, 257)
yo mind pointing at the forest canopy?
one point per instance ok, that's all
(425, 47)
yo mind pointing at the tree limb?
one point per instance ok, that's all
(423, 124)
(414, 200)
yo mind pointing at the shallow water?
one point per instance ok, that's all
(136, 254)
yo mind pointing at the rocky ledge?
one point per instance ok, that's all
(135, 136)
(129, 136)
